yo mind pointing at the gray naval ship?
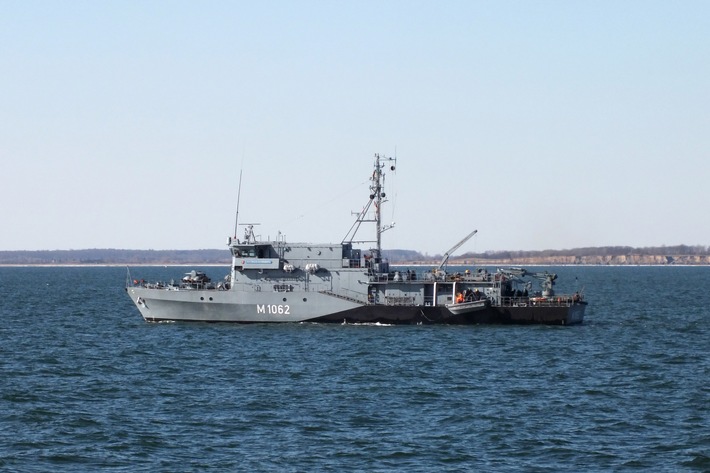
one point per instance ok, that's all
(351, 282)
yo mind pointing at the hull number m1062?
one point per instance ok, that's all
(273, 309)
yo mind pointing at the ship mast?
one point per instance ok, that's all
(377, 191)
(377, 198)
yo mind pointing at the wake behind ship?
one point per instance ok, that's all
(280, 281)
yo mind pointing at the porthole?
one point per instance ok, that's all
(304, 299)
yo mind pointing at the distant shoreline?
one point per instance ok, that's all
(681, 255)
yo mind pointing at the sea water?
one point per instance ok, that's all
(87, 385)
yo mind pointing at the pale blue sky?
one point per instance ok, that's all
(543, 124)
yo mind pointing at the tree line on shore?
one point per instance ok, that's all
(619, 254)
(114, 256)
(678, 250)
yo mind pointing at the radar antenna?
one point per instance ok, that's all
(249, 236)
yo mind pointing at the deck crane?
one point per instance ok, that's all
(454, 248)
(547, 280)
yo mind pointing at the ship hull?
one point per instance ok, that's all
(563, 315)
(241, 307)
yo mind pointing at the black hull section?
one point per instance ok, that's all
(404, 315)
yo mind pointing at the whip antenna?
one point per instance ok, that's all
(239, 194)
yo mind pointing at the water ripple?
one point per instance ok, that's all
(86, 385)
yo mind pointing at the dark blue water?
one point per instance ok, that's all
(87, 385)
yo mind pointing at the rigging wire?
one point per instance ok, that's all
(314, 207)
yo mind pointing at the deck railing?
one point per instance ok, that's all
(554, 301)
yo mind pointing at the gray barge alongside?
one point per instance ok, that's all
(280, 281)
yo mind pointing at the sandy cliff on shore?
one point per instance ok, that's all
(591, 260)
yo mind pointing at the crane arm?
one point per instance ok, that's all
(454, 248)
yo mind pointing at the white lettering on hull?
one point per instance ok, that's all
(273, 309)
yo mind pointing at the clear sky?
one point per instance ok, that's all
(543, 124)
